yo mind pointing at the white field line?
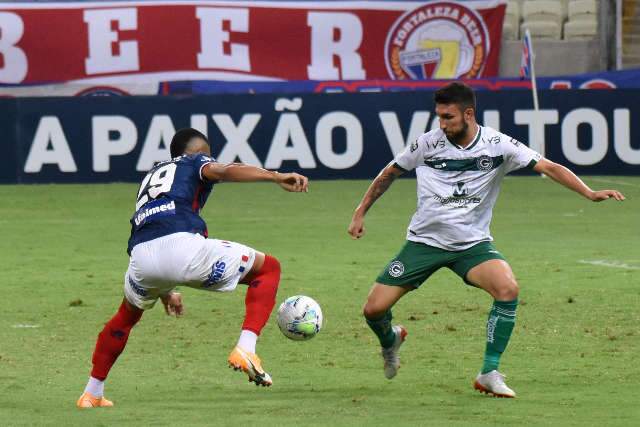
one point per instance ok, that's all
(25, 326)
(610, 181)
(612, 264)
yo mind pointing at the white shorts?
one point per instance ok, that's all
(157, 266)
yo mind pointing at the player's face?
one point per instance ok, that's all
(453, 121)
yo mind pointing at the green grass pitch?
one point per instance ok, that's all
(573, 358)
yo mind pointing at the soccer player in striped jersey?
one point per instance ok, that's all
(169, 246)
(459, 168)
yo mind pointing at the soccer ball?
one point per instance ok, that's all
(299, 318)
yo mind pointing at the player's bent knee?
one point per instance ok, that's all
(508, 291)
(371, 310)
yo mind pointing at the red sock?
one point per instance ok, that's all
(261, 295)
(112, 340)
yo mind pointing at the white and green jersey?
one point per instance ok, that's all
(458, 187)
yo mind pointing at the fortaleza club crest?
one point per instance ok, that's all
(440, 40)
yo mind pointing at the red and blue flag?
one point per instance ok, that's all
(527, 56)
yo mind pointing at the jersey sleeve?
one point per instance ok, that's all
(517, 155)
(409, 158)
(200, 162)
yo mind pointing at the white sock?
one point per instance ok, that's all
(95, 387)
(247, 341)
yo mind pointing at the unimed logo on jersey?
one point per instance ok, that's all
(156, 208)
(440, 40)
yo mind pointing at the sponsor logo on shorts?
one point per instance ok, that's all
(216, 273)
(137, 288)
(396, 269)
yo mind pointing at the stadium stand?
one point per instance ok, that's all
(583, 10)
(542, 11)
(582, 21)
(511, 28)
(566, 29)
(577, 30)
(551, 19)
(631, 34)
(543, 29)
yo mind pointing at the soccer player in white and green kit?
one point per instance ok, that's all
(459, 168)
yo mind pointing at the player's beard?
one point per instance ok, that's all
(459, 136)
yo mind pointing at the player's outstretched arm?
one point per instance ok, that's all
(239, 172)
(567, 178)
(377, 188)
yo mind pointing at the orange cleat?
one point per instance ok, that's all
(87, 400)
(251, 365)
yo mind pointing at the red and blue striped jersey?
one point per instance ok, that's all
(170, 198)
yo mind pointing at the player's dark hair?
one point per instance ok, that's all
(456, 93)
(182, 138)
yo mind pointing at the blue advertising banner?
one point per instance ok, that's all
(325, 136)
(625, 79)
(9, 164)
(607, 80)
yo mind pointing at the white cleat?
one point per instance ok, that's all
(492, 383)
(390, 355)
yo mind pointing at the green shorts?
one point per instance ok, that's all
(417, 261)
